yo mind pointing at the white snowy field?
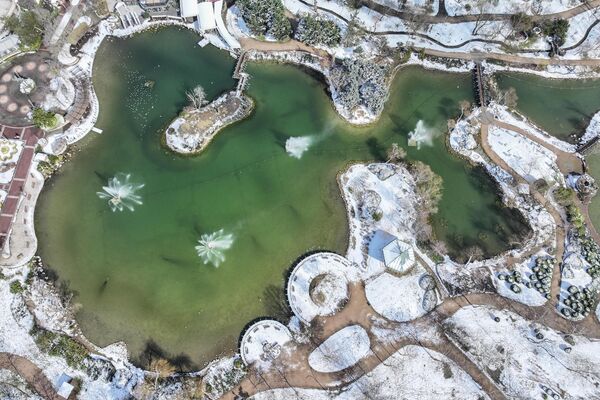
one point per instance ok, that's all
(524, 358)
(401, 298)
(341, 350)
(529, 159)
(529, 296)
(412, 373)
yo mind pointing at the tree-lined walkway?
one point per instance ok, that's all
(31, 373)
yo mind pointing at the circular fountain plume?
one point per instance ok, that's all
(121, 193)
(211, 247)
(296, 146)
(422, 135)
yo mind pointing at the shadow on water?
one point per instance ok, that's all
(376, 150)
(153, 351)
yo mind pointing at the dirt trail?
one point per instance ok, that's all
(30, 372)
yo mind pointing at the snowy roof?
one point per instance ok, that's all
(206, 16)
(189, 8)
(335, 289)
(263, 342)
(398, 256)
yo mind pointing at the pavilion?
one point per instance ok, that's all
(398, 256)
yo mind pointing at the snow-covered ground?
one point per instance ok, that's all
(263, 342)
(526, 295)
(15, 325)
(593, 129)
(381, 205)
(341, 350)
(332, 267)
(465, 7)
(412, 372)
(524, 358)
(530, 160)
(401, 298)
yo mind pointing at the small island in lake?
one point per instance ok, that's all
(199, 122)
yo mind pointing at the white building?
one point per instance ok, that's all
(208, 16)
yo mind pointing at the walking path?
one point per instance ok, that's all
(30, 372)
(443, 18)
(16, 190)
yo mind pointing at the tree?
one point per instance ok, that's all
(510, 98)
(265, 17)
(161, 368)
(27, 27)
(521, 22)
(197, 97)
(396, 153)
(318, 31)
(43, 119)
(429, 186)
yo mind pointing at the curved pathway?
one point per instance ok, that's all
(31, 373)
(457, 19)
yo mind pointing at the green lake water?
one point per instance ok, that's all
(562, 107)
(136, 274)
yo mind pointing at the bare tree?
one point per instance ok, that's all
(161, 368)
(479, 7)
(395, 153)
(197, 97)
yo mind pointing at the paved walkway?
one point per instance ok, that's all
(30, 372)
(30, 137)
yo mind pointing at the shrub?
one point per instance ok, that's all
(265, 17)
(43, 119)
(429, 185)
(564, 196)
(576, 219)
(60, 345)
(318, 31)
(521, 22)
(557, 29)
(16, 287)
(27, 27)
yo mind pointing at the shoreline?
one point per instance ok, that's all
(427, 64)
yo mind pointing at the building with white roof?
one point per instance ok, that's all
(208, 16)
(398, 256)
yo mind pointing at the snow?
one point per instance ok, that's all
(529, 159)
(464, 7)
(402, 298)
(520, 121)
(15, 325)
(593, 129)
(377, 189)
(263, 342)
(529, 296)
(430, 7)
(521, 363)
(305, 304)
(10, 153)
(598, 312)
(341, 350)
(411, 373)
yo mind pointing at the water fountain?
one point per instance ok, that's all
(422, 135)
(296, 146)
(121, 193)
(211, 247)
